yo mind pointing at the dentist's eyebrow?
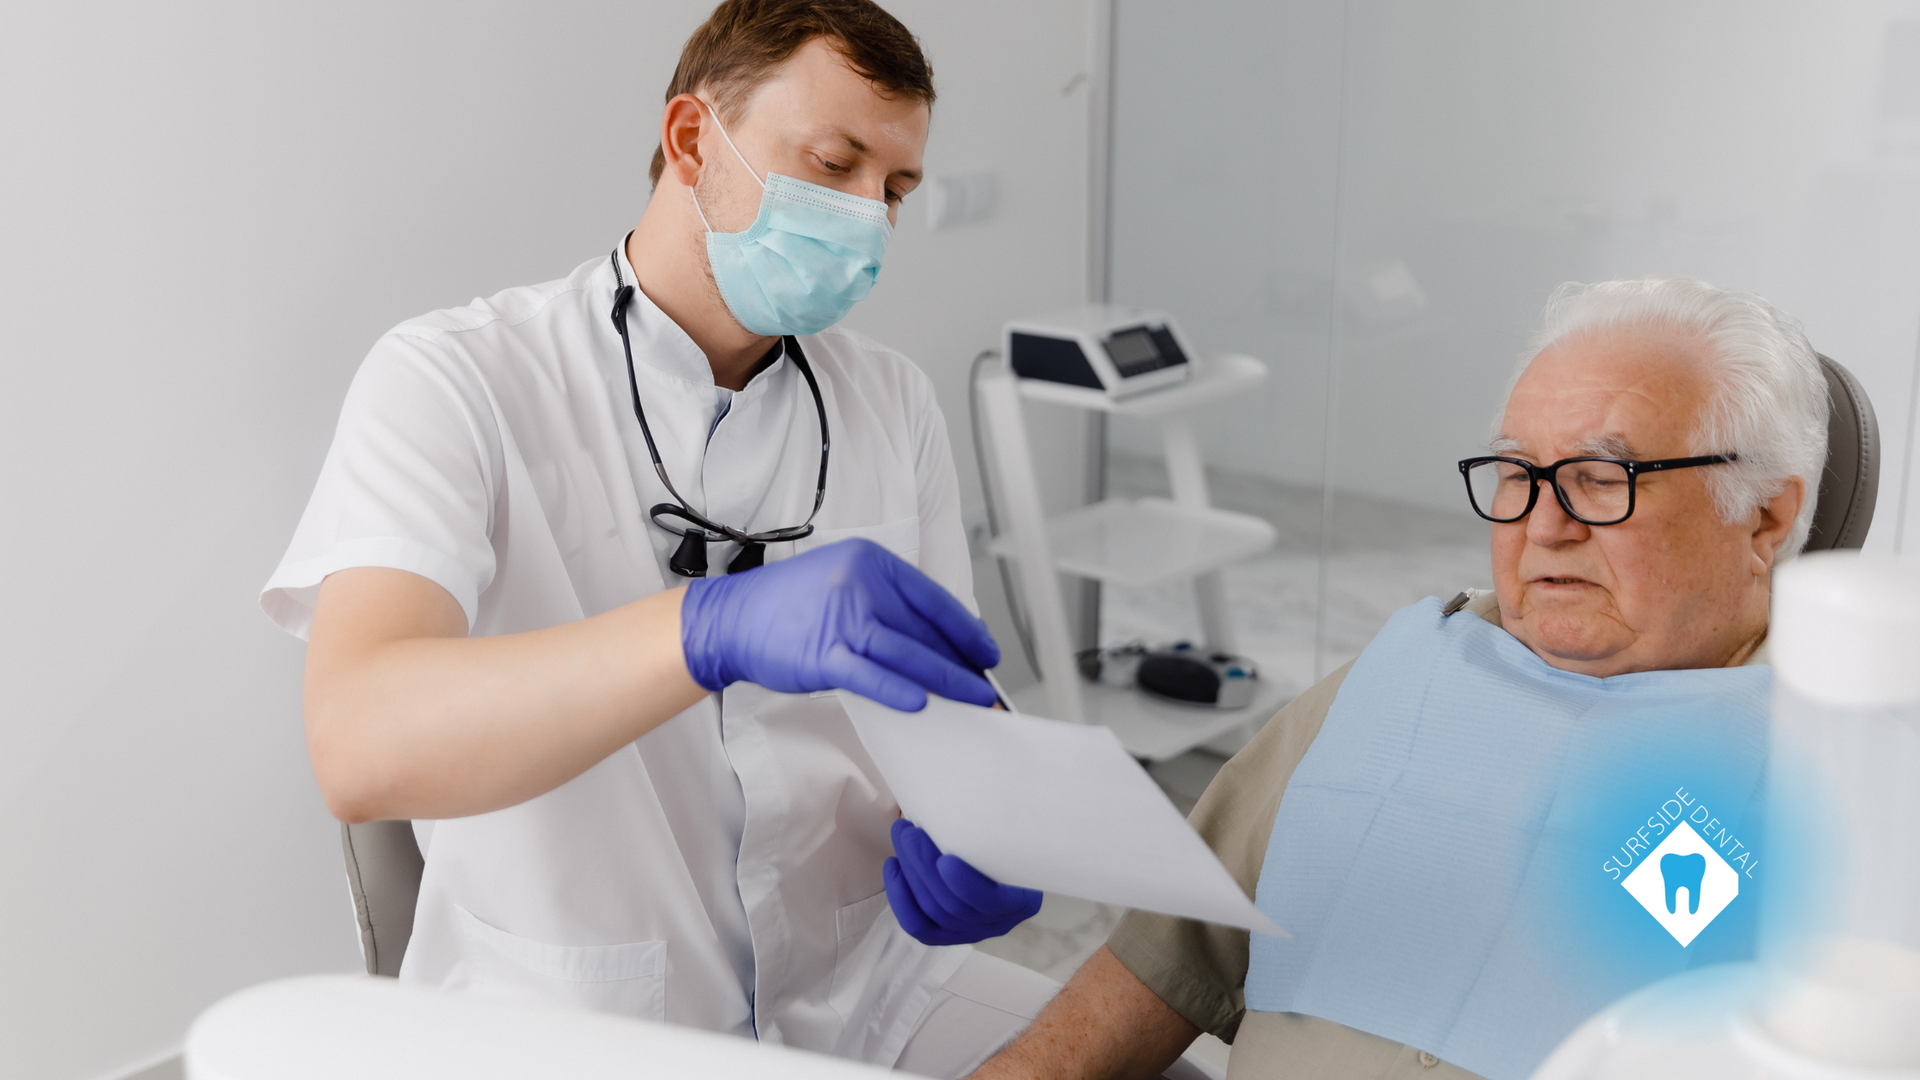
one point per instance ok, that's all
(1504, 447)
(859, 147)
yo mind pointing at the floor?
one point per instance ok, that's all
(1380, 556)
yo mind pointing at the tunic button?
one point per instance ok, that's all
(1428, 1061)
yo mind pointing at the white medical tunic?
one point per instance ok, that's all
(722, 871)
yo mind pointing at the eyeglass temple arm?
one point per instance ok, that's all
(1684, 463)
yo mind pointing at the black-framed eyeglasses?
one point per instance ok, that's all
(1592, 490)
(690, 560)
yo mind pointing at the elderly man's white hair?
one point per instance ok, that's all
(1768, 401)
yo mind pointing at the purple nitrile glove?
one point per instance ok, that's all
(846, 616)
(940, 900)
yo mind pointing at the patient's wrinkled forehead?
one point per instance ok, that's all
(1621, 393)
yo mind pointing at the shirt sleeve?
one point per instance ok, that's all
(1200, 969)
(943, 536)
(409, 483)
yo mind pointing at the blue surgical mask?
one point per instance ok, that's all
(809, 257)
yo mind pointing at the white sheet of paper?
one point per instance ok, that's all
(1048, 805)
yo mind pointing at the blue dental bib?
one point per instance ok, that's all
(1455, 855)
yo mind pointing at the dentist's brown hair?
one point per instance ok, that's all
(744, 42)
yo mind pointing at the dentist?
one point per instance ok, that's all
(585, 556)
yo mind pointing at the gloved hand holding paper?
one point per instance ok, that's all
(1048, 805)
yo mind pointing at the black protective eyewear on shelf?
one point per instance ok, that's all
(690, 560)
(1595, 491)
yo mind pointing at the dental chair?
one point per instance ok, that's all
(383, 873)
(384, 863)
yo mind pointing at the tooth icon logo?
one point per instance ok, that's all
(1683, 883)
(1683, 872)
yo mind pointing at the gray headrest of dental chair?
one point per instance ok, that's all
(1851, 481)
(384, 863)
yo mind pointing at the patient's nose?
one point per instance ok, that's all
(1549, 524)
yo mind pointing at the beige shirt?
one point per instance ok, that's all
(1201, 969)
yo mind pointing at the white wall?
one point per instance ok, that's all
(1499, 146)
(208, 212)
(1494, 149)
(1226, 143)
(944, 295)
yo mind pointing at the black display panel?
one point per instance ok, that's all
(1141, 349)
(1131, 348)
(1053, 359)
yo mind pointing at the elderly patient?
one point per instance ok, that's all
(1455, 904)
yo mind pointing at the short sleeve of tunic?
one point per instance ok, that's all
(408, 483)
(943, 537)
(1200, 969)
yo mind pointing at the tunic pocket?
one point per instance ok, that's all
(862, 930)
(628, 979)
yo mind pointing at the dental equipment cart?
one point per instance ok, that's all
(1132, 542)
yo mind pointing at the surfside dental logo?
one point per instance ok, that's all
(1686, 880)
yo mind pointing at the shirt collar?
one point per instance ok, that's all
(661, 344)
(658, 341)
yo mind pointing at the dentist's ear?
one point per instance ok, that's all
(681, 125)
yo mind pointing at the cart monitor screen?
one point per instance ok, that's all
(1141, 349)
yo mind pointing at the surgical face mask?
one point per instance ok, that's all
(810, 255)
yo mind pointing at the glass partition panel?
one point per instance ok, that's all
(1377, 198)
(1226, 140)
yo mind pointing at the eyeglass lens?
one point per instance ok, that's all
(1596, 491)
